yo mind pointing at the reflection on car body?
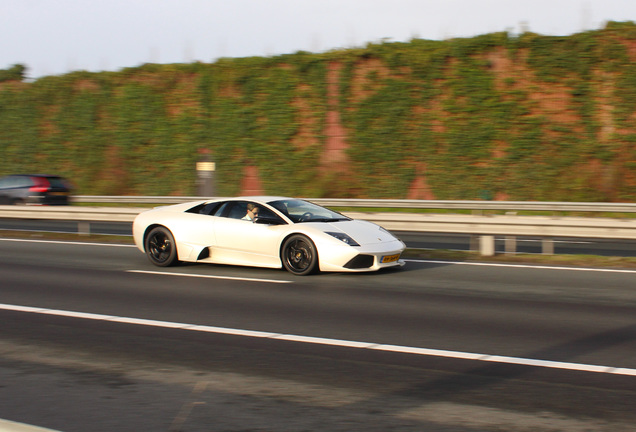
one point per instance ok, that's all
(295, 234)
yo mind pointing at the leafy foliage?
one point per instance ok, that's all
(14, 73)
(525, 117)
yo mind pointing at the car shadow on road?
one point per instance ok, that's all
(409, 266)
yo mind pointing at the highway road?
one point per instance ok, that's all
(94, 338)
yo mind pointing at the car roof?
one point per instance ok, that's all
(33, 175)
(258, 198)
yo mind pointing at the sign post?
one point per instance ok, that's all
(205, 176)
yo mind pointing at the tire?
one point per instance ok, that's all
(299, 255)
(160, 247)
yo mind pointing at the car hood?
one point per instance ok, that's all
(363, 232)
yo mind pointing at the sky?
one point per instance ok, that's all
(53, 37)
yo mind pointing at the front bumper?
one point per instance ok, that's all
(362, 258)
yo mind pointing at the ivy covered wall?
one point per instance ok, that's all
(497, 116)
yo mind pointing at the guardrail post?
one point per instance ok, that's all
(487, 245)
(547, 246)
(84, 228)
(511, 244)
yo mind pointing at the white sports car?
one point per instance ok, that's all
(264, 232)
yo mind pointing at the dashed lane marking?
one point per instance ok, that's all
(209, 276)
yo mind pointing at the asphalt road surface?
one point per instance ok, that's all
(94, 338)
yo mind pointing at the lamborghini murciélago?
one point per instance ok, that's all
(270, 232)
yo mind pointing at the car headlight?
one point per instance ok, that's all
(343, 238)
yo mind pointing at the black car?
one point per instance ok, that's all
(34, 189)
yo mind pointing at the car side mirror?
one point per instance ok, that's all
(268, 221)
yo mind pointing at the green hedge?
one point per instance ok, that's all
(525, 117)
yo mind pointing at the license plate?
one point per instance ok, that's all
(390, 258)
(58, 193)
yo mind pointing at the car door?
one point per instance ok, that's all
(243, 241)
(194, 230)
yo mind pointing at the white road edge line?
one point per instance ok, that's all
(529, 266)
(66, 242)
(327, 341)
(209, 276)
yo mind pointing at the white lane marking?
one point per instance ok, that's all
(60, 232)
(326, 341)
(209, 276)
(8, 426)
(530, 266)
(554, 241)
(66, 242)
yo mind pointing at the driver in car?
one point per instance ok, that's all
(252, 212)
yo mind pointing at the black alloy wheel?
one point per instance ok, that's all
(160, 247)
(299, 255)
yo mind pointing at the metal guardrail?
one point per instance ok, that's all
(80, 214)
(124, 199)
(401, 204)
(483, 228)
(72, 213)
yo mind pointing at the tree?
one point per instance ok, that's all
(14, 73)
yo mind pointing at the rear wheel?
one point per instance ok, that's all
(160, 247)
(299, 255)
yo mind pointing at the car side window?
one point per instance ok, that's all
(237, 210)
(220, 210)
(212, 209)
(23, 182)
(209, 209)
(11, 182)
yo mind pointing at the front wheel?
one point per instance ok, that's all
(299, 255)
(160, 247)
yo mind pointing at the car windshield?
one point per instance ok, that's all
(302, 211)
